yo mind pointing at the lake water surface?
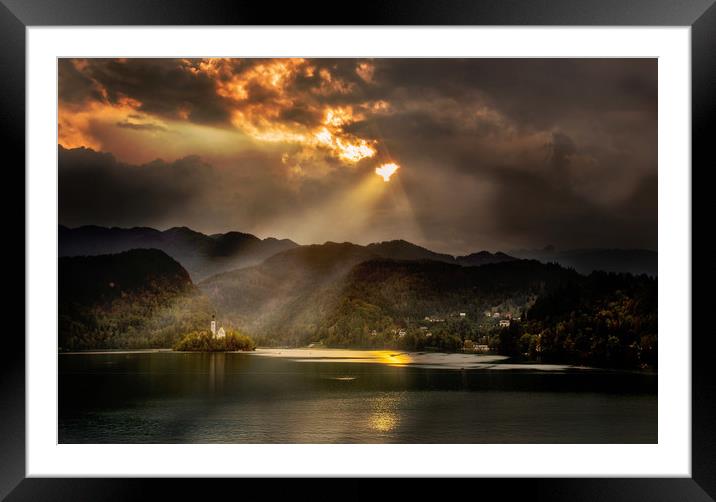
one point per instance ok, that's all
(346, 396)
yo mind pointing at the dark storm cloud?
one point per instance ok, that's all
(557, 193)
(170, 87)
(162, 86)
(95, 188)
(533, 208)
(533, 92)
(495, 153)
(75, 86)
(586, 176)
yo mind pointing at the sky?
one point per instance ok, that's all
(457, 155)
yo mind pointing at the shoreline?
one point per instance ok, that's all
(113, 351)
(393, 358)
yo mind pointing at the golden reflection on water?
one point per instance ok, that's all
(393, 358)
(383, 422)
(384, 417)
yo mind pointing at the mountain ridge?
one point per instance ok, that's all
(208, 255)
(202, 255)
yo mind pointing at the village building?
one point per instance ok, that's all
(504, 323)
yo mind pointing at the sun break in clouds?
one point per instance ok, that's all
(493, 153)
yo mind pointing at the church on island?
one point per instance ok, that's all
(214, 333)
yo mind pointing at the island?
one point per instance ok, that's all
(215, 341)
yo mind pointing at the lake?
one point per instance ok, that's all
(346, 396)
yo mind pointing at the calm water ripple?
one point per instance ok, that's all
(248, 398)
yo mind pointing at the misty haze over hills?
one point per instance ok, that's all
(332, 289)
(206, 255)
(202, 255)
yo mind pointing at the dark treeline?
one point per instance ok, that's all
(605, 319)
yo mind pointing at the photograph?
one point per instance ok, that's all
(357, 250)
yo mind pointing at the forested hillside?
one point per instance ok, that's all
(340, 295)
(135, 299)
(603, 319)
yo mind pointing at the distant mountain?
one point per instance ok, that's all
(403, 250)
(202, 255)
(206, 255)
(585, 261)
(134, 299)
(484, 258)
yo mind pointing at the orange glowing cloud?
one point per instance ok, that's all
(332, 85)
(365, 71)
(74, 122)
(262, 119)
(289, 102)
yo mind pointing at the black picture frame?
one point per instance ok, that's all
(700, 15)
